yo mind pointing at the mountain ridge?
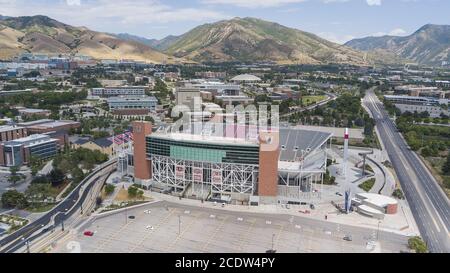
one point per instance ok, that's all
(42, 34)
(429, 45)
(252, 39)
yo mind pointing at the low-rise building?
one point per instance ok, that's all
(58, 129)
(115, 91)
(8, 132)
(103, 145)
(29, 112)
(132, 105)
(419, 104)
(186, 95)
(19, 151)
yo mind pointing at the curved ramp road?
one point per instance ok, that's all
(60, 213)
(428, 202)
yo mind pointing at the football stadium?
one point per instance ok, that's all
(232, 163)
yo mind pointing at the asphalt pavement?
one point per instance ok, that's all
(428, 202)
(60, 213)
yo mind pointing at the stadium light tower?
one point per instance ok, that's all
(344, 165)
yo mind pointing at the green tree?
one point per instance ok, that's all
(56, 177)
(14, 199)
(109, 189)
(14, 177)
(133, 192)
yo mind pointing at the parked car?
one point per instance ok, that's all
(132, 217)
(312, 206)
(88, 233)
(348, 238)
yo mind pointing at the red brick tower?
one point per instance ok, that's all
(142, 166)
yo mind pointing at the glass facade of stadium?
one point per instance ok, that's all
(206, 170)
(229, 171)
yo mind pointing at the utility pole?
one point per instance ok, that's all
(62, 225)
(179, 225)
(27, 243)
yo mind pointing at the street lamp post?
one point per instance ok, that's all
(179, 225)
(378, 230)
(273, 242)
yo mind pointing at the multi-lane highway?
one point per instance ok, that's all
(428, 203)
(60, 213)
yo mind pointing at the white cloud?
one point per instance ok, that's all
(394, 32)
(397, 32)
(332, 37)
(373, 2)
(253, 3)
(104, 12)
(73, 2)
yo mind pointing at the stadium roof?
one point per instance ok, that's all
(246, 78)
(294, 142)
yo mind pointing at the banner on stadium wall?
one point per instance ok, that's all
(179, 172)
(197, 174)
(216, 176)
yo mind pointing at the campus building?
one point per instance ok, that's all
(132, 105)
(231, 163)
(420, 104)
(58, 129)
(114, 91)
(19, 151)
(8, 132)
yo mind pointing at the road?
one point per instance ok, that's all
(428, 203)
(60, 213)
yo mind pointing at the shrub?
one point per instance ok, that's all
(398, 193)
(417, 244)
(109, 189)
(368, 185)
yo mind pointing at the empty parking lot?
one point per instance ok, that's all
(170, 227)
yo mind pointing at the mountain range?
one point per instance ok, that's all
(429, 45)
(238, 39)
(41, 34)
(251, 39)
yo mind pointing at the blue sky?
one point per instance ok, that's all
(336, 20)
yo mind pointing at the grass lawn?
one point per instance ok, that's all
(42, 208)
(309, 100)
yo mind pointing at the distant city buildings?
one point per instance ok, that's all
(211, 74)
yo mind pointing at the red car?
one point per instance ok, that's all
(89, 233)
